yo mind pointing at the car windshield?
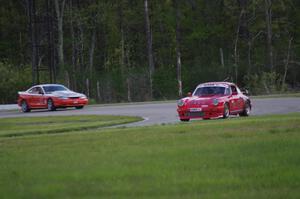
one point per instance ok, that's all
(212, 90)
(50, 89)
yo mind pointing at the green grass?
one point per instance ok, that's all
(10, 127)
(255, 157)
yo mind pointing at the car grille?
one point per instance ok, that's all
(73, 97)
(195, 114)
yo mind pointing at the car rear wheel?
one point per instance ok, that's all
(50, 105)
(25, 107)
(79, 107)
(246, 111)
(226, 111)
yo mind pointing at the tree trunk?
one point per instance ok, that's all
(74, 50)
(286, 64)
(33, 39)
(236, 56)
(80, 48)
(59, 9)
(92, 52)
(87, 87)
(178, 53)
(268, 15)
(51, 49)
(149, 46)
(249, 57)
(128, 89)
(67, 79)
(124, 54)
(222, 58)
(98, 92)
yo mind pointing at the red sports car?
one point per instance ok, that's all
(214, 100)
(50, 96)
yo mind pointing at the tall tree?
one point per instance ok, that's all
(31, 11)
(149, 46)
(178, 52)
(268, 21)
(59, 10)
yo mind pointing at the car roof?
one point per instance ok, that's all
(48, 85)
(226, 84)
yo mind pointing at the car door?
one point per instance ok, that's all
(38, 97)
(30, 97)
(240, 102)
(234, 99)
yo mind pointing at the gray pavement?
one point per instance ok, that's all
(154, 113)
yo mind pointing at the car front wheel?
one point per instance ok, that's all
(25, 107)
(226, 111)
(50, 105)
(79, 107)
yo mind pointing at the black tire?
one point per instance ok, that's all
(184, 120)
(50, 105)
(25, 107)
(226, 111)
(79, 107)
(246, 111)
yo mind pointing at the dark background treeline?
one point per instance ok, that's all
(136, 50)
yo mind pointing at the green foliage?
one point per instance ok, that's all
(165, 83)
(264, 83)
(12, 80)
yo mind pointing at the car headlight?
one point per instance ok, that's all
(215, 102)
(63, 97)
(180, 103)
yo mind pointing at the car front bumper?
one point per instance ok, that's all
(70, 102)
(203, 112)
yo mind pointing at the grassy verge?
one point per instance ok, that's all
(11, 127)
(256, 157)
(276, 96)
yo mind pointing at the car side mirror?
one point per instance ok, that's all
(189, 94)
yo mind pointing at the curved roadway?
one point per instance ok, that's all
(157, 113)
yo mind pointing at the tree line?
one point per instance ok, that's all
(136, 50)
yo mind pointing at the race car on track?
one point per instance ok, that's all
(50, 96)
(214, 100)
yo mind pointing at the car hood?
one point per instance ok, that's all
(67, 94)
(196, 100)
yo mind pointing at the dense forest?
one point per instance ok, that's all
(136, 50)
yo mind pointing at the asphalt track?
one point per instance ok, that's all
(154, 113)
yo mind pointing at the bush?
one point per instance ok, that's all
(264, 83)
(12, 80)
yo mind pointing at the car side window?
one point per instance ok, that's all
(227, 91)
(233, 90)
(39, 90)
(31, 90)
(36, 90)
